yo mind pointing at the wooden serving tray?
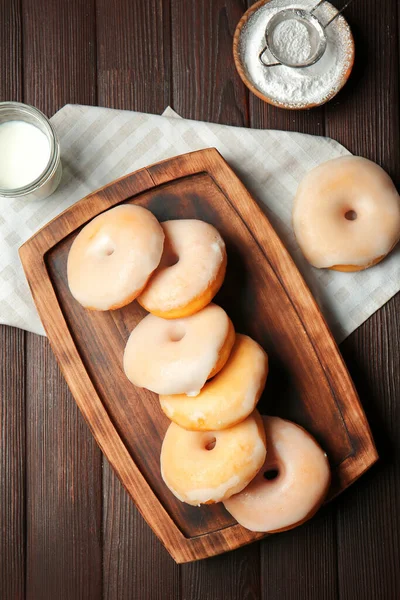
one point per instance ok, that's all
(266, 298)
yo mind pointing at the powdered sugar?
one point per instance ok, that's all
(297, 88)
(291, 42)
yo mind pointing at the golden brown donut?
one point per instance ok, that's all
(191, 270)
(113, 256)
(290, 486)
(208, 467)
(346, 214)
(178, 356)
(229, 397)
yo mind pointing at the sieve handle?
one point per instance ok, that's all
(316, 6)
(335, 16)
(261, 59)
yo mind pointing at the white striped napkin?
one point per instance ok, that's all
(99, 145)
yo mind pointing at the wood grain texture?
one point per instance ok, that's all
(206, 86)
(368, 516)
(59, 59)
(12, 363)
(313, 387)
(64, 464)
(136, 564)
(134, 72)
(205, 82)
(12, 463)
(366, 120)
(302, 563)
(232, 575)
(63, 487)
(285, 565)
(134, 54)
(11, 83)
(364, 117)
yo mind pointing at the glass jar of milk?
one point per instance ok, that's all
(30, 165)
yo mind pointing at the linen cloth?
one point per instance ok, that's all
(99, 144)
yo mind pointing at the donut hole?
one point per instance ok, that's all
(101, 245)
(351, 215)
(271, 474)
(169, 257)
(210, 443)
(177, 332)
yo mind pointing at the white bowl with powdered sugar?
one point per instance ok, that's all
(288, 87)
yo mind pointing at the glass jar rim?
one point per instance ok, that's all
(20, 109)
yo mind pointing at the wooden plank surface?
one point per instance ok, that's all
(286, 569)
(134, 55)
(368, 526)
(205, 83)
(207, 87)
(63, 494)
(12, 463)
(134, 72)
(365, 119)
(351, 550)
(12, 363)
(64, 485)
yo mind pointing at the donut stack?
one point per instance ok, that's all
(209, 378)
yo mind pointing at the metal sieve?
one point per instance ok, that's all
(316, 31)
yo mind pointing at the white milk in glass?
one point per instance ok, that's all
(24, 154)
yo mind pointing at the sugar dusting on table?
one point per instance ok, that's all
(297, 88)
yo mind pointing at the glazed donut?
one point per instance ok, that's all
(177, 357)
(346, 214)
(191, 270)
(229, 397)
(203, 468)
(301, 481)
(113, 256)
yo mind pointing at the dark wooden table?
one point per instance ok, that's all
(68, 529)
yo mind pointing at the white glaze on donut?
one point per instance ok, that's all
(227, 398)
(198, 476)
(113, 256)
(335, 189)
(176, 356)
(194, 253)
(298, 490)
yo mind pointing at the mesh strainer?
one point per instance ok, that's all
(316, 32)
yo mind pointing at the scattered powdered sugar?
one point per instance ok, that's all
(291, 87)
(291, 41)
